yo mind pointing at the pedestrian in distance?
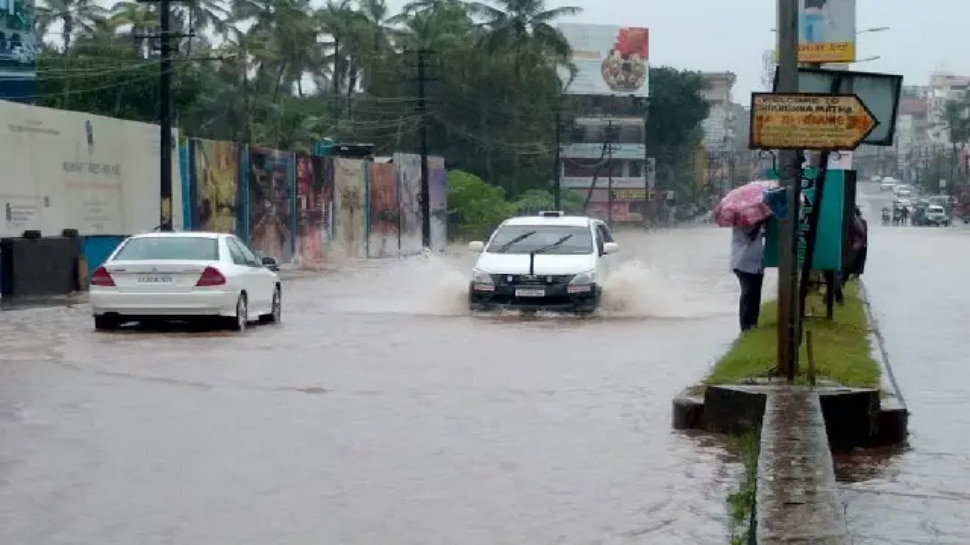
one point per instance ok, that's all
(747, 262)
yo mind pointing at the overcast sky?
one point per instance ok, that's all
(732, 35)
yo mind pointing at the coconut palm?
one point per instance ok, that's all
(75, 16)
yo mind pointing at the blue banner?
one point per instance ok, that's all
(18, 50)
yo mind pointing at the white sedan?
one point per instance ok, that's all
(185, 276)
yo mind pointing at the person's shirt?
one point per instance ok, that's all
(747, 250)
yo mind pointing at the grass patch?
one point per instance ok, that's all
(741, 502)
(841, 346)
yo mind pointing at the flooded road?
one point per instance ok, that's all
(380, 412)
(917, 279)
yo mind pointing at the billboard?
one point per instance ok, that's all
(826, 31)
(609, 60)
(18, 50)
(74, 170)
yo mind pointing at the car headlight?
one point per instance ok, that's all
(482, 281)
(582, 282)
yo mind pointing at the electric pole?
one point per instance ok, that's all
(165, 114)
(423, 135)
(790, 176)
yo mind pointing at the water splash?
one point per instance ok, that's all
(429, 284)
(638, 290)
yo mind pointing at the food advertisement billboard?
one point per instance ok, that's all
(609, 60)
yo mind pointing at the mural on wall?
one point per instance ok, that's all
(350, 216)
(313, 197)
(271, 203)
(409, 193)
(382, 194)
(214, 185)
(437, 183)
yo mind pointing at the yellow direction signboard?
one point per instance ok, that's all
(809, 121)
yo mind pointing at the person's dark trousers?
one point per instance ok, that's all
(833, 286)
(750, 304)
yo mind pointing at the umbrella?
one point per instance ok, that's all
(744, 206)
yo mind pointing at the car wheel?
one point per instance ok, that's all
(276, 310)
(106, 323)
(241, 319)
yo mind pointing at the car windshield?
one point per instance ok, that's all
(523, 239)
(169, 248)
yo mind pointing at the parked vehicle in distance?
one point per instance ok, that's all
(190, 276)
(888, 183)
(546, 262)
(936, 215)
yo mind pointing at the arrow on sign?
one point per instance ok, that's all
(809, 121)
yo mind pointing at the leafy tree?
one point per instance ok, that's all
(476, 207)
(285, 73)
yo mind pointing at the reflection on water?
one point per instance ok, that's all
(427, 425)
(916, 278)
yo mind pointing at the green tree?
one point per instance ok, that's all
(284, 73)
(476, 207)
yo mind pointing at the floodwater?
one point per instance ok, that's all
(379, 412)
(916, 277)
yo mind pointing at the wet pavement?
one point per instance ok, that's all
(916, 277)
(381, 412)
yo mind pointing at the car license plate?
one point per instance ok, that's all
(530, 293)
(156, 279)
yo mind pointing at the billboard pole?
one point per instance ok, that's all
(609, 173)
(557, 155)
(789, 175)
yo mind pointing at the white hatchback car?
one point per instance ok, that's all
(185, 276)
(545, 262)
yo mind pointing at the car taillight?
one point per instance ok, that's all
(101, 277)
(211, 277)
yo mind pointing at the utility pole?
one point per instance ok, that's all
(789, 174)
(557, 157)
(423, 135)
(609, 171)
(165, 114)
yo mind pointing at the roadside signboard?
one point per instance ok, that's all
(809, 121)
(879, 92)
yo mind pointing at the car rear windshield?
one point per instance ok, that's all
(169, 248)
(549, 239)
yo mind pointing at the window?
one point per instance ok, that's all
(604, 232)
(235, 253)
(168, 248)
(636, 169)
(549, 239)
(248, 257)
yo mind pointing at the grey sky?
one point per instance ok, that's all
(717, 35)
(732, 35)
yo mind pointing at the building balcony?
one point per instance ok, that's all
(591, 150)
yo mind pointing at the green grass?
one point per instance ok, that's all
(739, 503)
(841, 346)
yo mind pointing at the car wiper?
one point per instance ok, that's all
(553, 246)
(508, 245)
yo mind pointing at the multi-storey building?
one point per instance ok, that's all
(943, 88)
(604, 157)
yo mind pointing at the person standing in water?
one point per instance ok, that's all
(747, 262)
(814, 17)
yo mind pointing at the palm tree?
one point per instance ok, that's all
(524, 29)
(74, 15)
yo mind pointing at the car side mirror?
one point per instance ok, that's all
(270, 263)
(610, 248)
(476, 246)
